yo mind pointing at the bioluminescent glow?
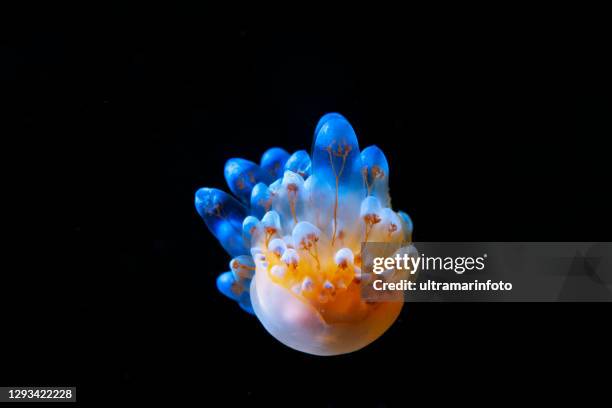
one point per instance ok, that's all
(295, 232)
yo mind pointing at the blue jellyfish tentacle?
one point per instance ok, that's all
(223, 216)
(273, 162)
(375, 172)
(299, 163)
(325, 118)
(241, 176)
(261, 200)
(239, 292)
(289, 199)
(335, 153)
(407, 226)
(243, 268)
(245, 303)
(227, 285)
(249, 228)
(336, 166)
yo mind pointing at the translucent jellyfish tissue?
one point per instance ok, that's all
(295, 230)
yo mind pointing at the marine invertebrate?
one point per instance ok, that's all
(295, 233)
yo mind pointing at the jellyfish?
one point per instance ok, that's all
(294, 228)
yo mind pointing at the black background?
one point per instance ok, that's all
(492, 130)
